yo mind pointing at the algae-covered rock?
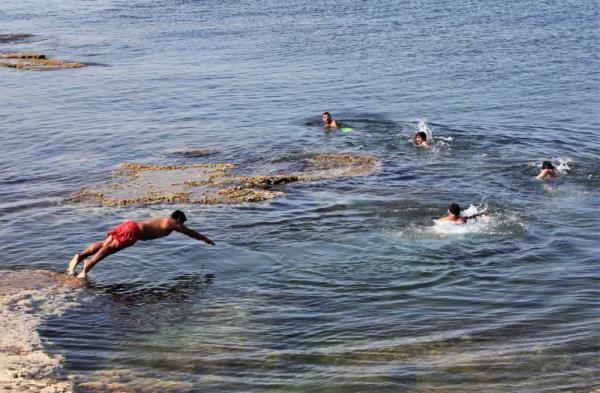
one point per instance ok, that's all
(215, 183)
(152, 199)
(135, 168)
(240, 194)
(267, 181)
(35, 62)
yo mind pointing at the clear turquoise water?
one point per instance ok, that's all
(342, 285)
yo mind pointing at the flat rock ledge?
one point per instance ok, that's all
(214, 184)
(27, 298)
(32, 61)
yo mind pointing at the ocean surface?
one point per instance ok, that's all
(343, 285)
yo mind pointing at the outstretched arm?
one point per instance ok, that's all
(192, 233)
(481, 213)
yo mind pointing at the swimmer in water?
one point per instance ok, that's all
(548, 170)
(421, 139)
(127, 233)
(455, 217)
(328, 122)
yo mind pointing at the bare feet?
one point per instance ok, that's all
(73, 264)
(83, 272)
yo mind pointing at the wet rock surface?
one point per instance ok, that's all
(32, 61)
(211, 184)
(27, 297)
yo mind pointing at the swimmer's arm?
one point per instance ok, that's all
(546, 173)
(335, 124)
(481, 213)
(192, 233)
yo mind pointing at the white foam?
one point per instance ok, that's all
(476, 225)
(498, 223)
(564, 164)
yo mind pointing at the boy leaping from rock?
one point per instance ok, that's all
(127, 233)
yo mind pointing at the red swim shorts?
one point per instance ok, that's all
(126, 233)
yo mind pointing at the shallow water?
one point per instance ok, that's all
(343, 284)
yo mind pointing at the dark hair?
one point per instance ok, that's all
(422, 135)
(547, 165)
(454, 209)
(326, 113)
(179, 216)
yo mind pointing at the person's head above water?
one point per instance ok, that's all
(179, 216)
(421, 139)
(454, 209)
(328, 122)
(547, 165)
(548, 170)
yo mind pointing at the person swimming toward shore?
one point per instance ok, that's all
(548, 170)
(328, 122)
(421, 140)
(455, 217)
(127, 233)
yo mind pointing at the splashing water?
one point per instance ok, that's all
(440, 141)
(563, 165)
(488, 224)
(422, 127)
(496, 223)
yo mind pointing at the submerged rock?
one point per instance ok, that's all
(324, 166)
(35, 62)
(4, 38)
(193, 151)
(211, 184)
(128, 381)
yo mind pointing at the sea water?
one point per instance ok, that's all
(344, 284)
